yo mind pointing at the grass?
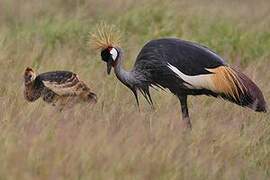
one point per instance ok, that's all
(114, 140)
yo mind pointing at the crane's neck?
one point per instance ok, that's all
(126, 77)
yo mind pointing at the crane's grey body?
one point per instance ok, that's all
(185, 68)
(151, 69)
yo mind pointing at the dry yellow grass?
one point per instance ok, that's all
(113, 140)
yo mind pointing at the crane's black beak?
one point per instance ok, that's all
(109, 66)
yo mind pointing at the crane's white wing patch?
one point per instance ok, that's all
(203, 81)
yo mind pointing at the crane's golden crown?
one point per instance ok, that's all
(105, 36)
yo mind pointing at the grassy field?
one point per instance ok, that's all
(113, 140)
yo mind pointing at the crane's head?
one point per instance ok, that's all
(29, 75)
(110, 55)
(107, 39)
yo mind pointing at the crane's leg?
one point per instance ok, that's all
(185, 116)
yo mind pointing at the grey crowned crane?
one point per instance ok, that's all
(183, 67)
(59, 88)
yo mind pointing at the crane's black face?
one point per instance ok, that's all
(110, 56)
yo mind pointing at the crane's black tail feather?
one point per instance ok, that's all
(146, 94)
(136, 96)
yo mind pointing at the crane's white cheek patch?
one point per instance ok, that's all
(114, 53)
(203, 81)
